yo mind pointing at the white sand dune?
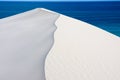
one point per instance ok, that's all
(25, 40)
(80, 51)
(83, 52)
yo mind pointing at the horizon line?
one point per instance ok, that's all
(57, 1)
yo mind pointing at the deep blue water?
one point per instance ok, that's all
(105, 15)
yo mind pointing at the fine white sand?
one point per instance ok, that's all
(80, 51)
(25, 40)
(83, 52)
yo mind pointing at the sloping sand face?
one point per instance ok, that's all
(82, 52)
(25, 40)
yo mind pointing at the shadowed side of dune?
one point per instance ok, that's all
(25, 40)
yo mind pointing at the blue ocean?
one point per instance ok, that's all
(105, 15)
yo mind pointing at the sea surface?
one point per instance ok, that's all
(105, 15)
